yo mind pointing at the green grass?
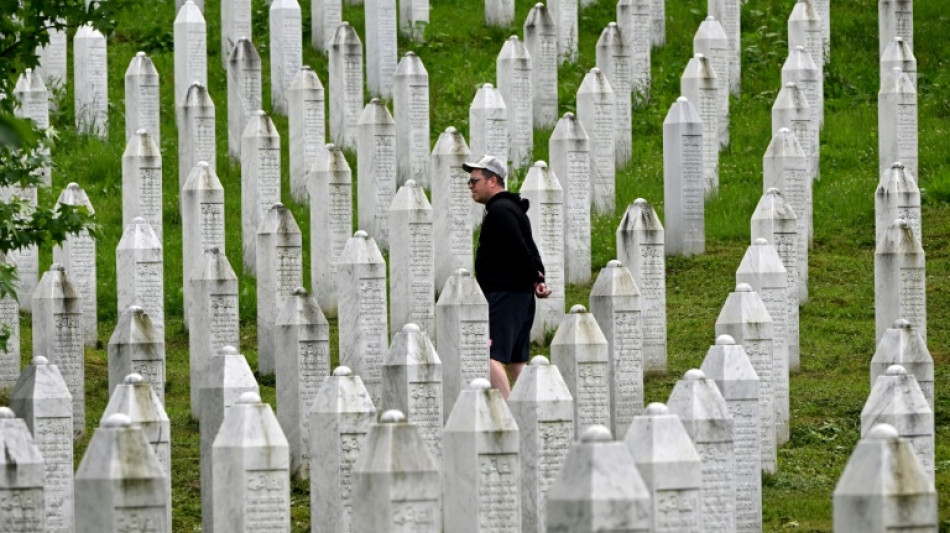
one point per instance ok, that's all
(837, 323)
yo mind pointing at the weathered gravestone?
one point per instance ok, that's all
(800, 68)
(635, 19)
(461, 317)
(24, 475)
(899, 55)
(42, 399)
(569, 148)
(380, 36)
(196, 136)
(306, 117)
(346, 85)
(411, 272)
(900, 279)
(499, 12)
(658, 32)
(804, 29)
(671, 468)
(411, 113)
(120, 481)
(786, 167)
(564, 13)
(615, 304)
(376, 170)
(514, 70)
(481, 447)
(396, 482)
(727, 364)
(543, 408)
(33, 103)
(542, 189)
(897, 399)
(331, 208)
(683, 180)
(895, 17)
(57, 332)
(214, 316)
(903, 345)
(251, 469)
(136, 347)
(884, 487)
(225, 378)
(413, 19)
(761, 268)
(897, 196)
(10, 355)
(142, 181)
(136, 398)
(615, 61)
(707, 420)
(340, 416)
(640, 247)
(202, 222)
(141, 98)
(52, 60)
(26, 258)
(595, 110)
(236, 24)
(260, 181)
(452, 226)
(412, 383)
(244, 91)
(599, 489)
(728, 12)
(139, 272)
(774, 220)
(325, 17)
(361, 286)
(191, 49)
(77, 254)
(745, 318)
(711, 41)
(579, 349)
(279, 273)
(791, 110)
(699, 84)
(286, 50)
(488, 128)
(897, 122)
(302, 347)
(540, 39)
(91, 89)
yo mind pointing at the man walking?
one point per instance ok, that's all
(508, 268)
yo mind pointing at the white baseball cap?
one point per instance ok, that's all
(489, 163)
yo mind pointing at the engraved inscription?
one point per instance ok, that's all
(745, 415)
(592, 404)
(350, 446)
(473, 350)
(53, 436)
(677, 511)
(498, 500)
(152, 519)
(554, 441)
(415, 516)
(627, 386)
(719, 497)
(21, 510)
(267, 501)
(425, 411)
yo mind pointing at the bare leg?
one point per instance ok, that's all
(514, 369)
(499, 378)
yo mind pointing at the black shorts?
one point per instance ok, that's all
(510, 315)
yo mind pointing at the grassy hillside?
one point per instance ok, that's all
(837, 323)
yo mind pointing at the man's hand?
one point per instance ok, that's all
(541, 290)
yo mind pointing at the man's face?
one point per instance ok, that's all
(479, 185)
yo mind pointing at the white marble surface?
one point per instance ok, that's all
(191, 49)
(244, 91)
(346, 85)
(452, 205)
(683, 180)
(895, 17)
(569, 148)
(411, 113)
(540, 38)
(91, 89)
(902, 345)
(142, 181)
(711, 41)
(381, 35)
(411, 263)
(376, 170)
(543, 190)
(279, 274)
(202, 222)
(635, 19)
(898, 122)
(579, 349)
(306, 118)
(331, 215)
(565, 17)
(899, 54)
(595, 110)
(24, 475)
(196, 132)
(77, 254)
(900, 279)
(142, 98)
(286, 50)
(136, 347)
(325, 17)
(700, 85)
(897, 399)
(514, 70)
(615, 60)
(463, 341)
(260, 181)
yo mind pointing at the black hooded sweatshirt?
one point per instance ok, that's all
(507, 260)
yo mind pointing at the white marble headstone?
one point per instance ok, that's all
(543, 408)
(514, 72)
(191, 49)
(346, 85)
(376, 170)
(362, 316)
(900, 279)
(42, 399)
(77, 254)
(91, 89)
(499, 13)
(10, 356)
(635, 19)
(136, 347)
(791, 110)
(683, 180)
(595, 110)
(142, 181)
(24, 475)
(728, 12)
(897, 122)
(286, 51)
(52, 60)
(902, 345)
(786, 167)
(140, 271)
(331, 208)
(381, 35)
(411, 263)
(236, 23)
(279, 273)
(700, 85)
(580, 350)
(325, 17)
(196, 131)
(899, 54)
(640, 248)
(488, 127)
(569, 148)
(452, 205)
(804, 29)
(540, 38)
(244, 91)
(142, 98)
(711, 41)
(411, 113)
(202, 223)
(413, 19)
(801, 69)
(564, 13)
(543, 190)
(895, 18)
(260, 181)
(615, 60)
(616, 305)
